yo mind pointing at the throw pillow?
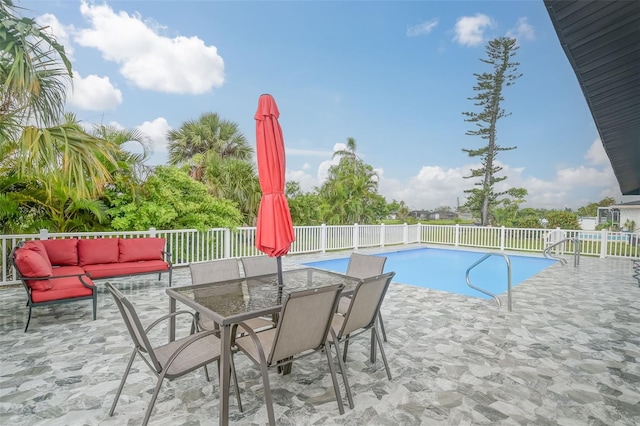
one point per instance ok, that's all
(62, 252)
(97, 251)
(31, 264)
(137, 249)
(38, 247)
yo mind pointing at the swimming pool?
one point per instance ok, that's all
(445, 270)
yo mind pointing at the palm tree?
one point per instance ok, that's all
(350, 192)
(349, 152)
(36, 140)
(57, 207)
(34, 71)
(235, 180)
(219, 156)
(208, 133)
(129, 166)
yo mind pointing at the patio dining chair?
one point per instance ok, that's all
(168, 361)
(218, 271)
(259, 265)
(360, 317)
(364, 266)
(303, 325)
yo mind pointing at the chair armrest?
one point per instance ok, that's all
(87, 285)
(188, 342)
(83, 282)
(167, 256)
(256, 341)
(172, 314)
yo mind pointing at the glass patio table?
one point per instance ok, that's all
(229, 302)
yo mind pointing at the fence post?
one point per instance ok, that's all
(405, 233)
(356, 236)
(44, 234)
(382, 235)
(603, 243)
(457, 236)
(227, 243)
(323, 238)
(152, 232)
(502, 237)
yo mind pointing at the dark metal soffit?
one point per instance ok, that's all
(602, 42)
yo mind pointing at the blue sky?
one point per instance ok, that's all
(396, 76)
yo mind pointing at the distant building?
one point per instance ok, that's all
(443, 214)
(621, 215)
(588, 223)
(433, 215)
(419, 214)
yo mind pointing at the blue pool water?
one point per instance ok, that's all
(598, 237)
(446, 269)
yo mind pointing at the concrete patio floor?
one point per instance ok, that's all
(567, 355)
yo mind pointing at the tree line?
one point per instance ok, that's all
(59, 173)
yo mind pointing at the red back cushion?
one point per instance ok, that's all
(31, 264)
(136, 249)
(62, 252)
(98, 250)
(38, 247)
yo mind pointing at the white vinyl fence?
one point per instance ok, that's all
(190, 245)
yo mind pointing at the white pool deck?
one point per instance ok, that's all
(568, 354)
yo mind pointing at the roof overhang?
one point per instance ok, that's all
(602, 42)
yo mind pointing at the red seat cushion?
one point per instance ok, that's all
(38, 247)
(98, 250)
(63, 288)
(67, 270)
(126, 268)
(31, 264)
(135, 249)
(62, 252)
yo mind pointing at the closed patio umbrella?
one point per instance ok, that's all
(274, 233)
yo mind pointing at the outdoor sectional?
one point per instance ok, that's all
(63, 270)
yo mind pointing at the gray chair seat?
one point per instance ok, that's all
(198, 354)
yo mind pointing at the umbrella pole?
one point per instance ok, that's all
(279, 261)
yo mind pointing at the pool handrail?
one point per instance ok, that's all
(576, 251)
(488, 293)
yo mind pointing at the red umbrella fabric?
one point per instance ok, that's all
(274, 228)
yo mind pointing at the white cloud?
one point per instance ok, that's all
(157, 131)
(148, 59)
(423, 28)
(323, 169)
(60, 32)
(339, 146)
(433, 186)
(583, 176)
(94, 93)
(596, 155)
(306, 181)
(572, 187)
(522, 31)
(469, 30)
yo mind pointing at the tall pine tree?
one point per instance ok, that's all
(500, 53)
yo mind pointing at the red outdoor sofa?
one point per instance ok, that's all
(63, 270)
